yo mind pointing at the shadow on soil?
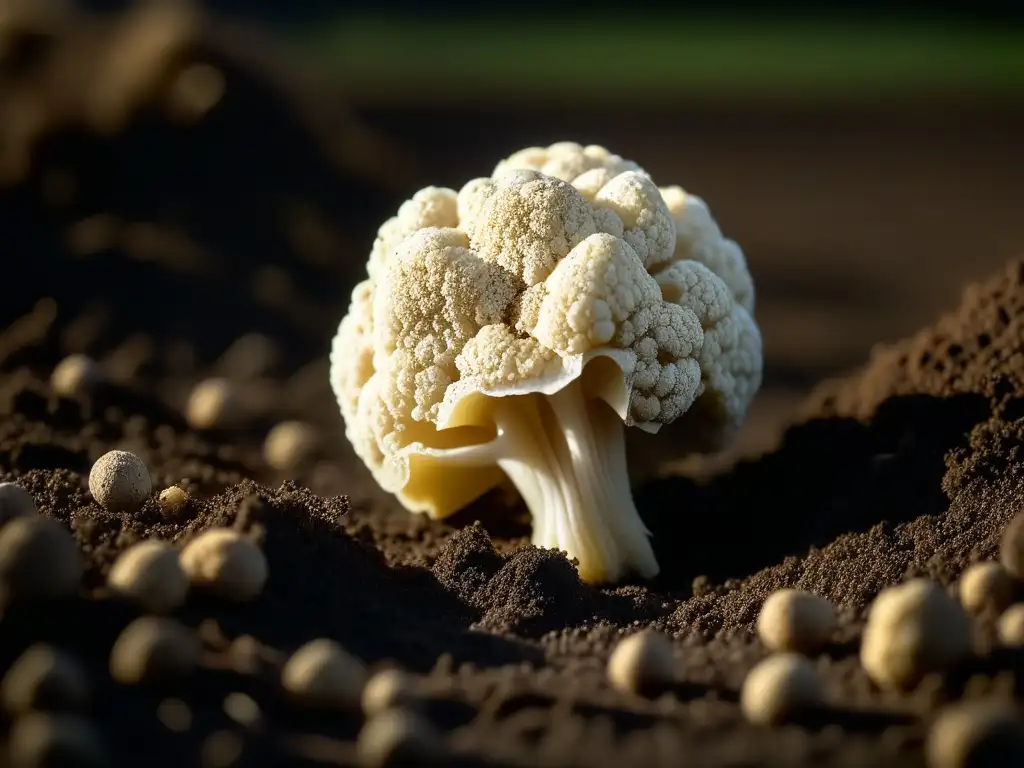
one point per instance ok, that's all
(829, 477)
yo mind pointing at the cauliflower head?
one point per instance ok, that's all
(514, 327)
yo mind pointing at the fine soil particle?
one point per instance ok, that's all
(911, 466)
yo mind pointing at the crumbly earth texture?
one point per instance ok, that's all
(910, 466)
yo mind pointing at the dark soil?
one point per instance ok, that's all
(203, 232)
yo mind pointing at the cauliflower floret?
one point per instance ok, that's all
(515, 327)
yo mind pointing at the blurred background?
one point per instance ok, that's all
(188, 191)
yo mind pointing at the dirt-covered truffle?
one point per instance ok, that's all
(213, 404)
(39, 559)
(52, 740)
(793, 620)
(1011, 550)
(986, 587)
(226, 563)
(643, 663)
(1010, 626)
(387, 689)
(398, 737)
(76, 375)
(15, 501)
(171, 501)
(323, 675)
(149, 573)
(154, 649)
(46, 679)
(289, 445)
(119, 481)
(781, 687)
(975, 734)
(913, 629)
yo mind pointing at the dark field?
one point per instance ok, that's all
(152, 234)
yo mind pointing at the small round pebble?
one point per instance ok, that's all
(323, 675)
(149, 574)
(986, 587)
(154, 649)
(1010, 626)
(642, 664)
(980, 734)
(397, 737)
(45, 740)
(913, 629)
(39, 559)
(1011, 550)
(120, 482)
(781, 687)
(15, 501)
(212, 404)
(171, 501)
(289, 445)
(793, 620)
(225, 562)
(388, 689)
(75, 375)
(44, 679)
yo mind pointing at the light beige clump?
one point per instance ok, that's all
(323, 675)
(44, 679)
(781, 687)
(913, 629)
(226, 563)
(1010, 627)
(149, 574)
(986, 587)
(154, 649)
(15, 501)
(75, 375)
(792, 620)
(52, 739)
(289, 445)
(398, 737)
(213, 404)
(39, 560)
(643, 663)
(172, 500)
(979, 733)
(119, 481)
(1011, 549)
(388, 689)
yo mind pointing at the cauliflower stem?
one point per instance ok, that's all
(566, 454)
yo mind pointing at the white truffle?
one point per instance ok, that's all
(39, 559)
(388, 689)
(323, 675)
(171, 501)
(642, 663)
(120, 482)
(212, 405)
(1011, 547)
(75, 375)
(48, 739)
(398, 737)
(986, 587)
(979, 733)
(154, 649)
(289, 445)
(913, 629)
(15, 501)
(792, 620)
(44, 679)
(226, 563)
(1010, 626)
(149, 574)
(781, 687)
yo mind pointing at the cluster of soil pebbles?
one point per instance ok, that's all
(295, 616)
